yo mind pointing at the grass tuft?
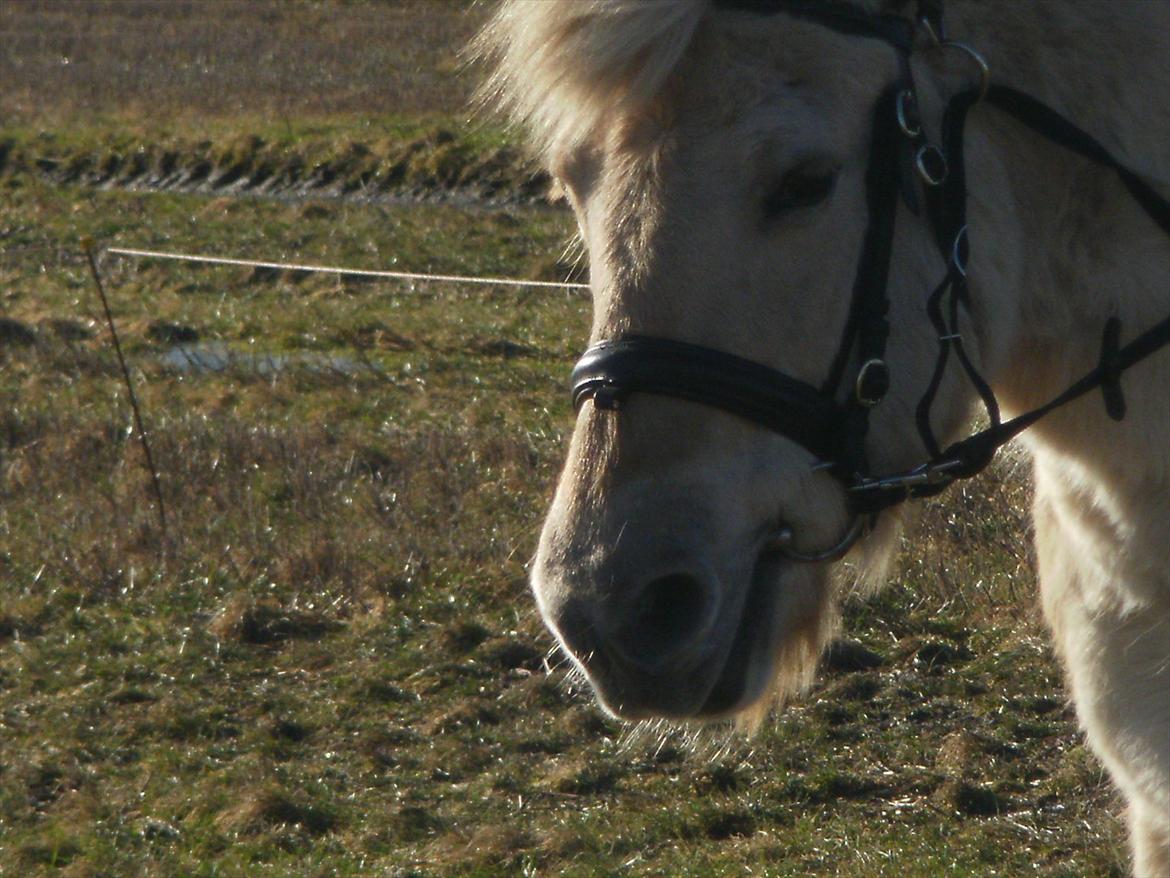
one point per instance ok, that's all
(265, 622)
(276, 808)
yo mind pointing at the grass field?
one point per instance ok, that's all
(329, 664)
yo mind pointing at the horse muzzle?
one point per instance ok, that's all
(668, 611)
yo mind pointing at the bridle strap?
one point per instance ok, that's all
(946, 209)
(841, 17)
(868, 328)
(612, 370)
(1048, 123)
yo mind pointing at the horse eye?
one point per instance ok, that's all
(804, 186)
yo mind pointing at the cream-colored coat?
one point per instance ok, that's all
(665, 122)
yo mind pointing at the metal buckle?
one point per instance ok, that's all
(607, 397)
(871, 396)
(927, 474)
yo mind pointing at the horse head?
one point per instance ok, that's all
(720, 164)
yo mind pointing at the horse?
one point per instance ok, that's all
(820, 232)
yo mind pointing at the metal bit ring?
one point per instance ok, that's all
(781, 542)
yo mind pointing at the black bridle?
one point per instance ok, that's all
(832, 420)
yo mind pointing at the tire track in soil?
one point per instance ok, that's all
(434, 170)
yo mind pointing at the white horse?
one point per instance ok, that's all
(726, 165)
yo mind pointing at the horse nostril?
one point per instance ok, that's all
(666, 617)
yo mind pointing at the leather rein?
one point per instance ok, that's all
(831, 421)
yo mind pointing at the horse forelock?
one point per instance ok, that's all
(559, 68)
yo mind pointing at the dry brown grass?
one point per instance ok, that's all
(65, 60)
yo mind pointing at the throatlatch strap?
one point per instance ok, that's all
(1047, 122)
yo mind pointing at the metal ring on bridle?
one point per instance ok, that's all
(911, 127)
(957, 258)
(984, 68)
(931, 177)
(782, 543)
